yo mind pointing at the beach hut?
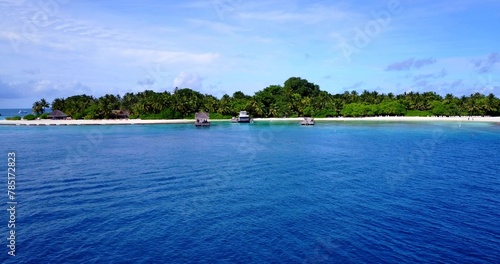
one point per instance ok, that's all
(57, 115)
(202, 119)
(120, 114)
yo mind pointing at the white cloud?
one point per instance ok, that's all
(41, 88)
(187, 80)
(215, 26)
(253, 44)
(313, 14)
(170, 57)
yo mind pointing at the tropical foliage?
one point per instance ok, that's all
(29, 117)
(297, 97)
(14, 118)
(39, 107)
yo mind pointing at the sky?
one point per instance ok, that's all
(59, 48)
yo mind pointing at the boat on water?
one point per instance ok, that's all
(307, 121)
(243, 117)
(23, 112)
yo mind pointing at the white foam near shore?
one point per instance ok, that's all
(47, 122)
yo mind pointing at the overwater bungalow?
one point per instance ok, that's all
(308, 121)
(202, 119)
(57, 115)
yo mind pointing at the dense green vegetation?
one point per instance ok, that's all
(39, 107)
(297, 97)
(29, 117)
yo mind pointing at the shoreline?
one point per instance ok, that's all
(48, 122)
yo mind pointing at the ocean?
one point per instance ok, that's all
(4, 113)
(267, 192)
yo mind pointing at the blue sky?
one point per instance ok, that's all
(59, 48)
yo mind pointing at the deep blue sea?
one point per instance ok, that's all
(338, 192)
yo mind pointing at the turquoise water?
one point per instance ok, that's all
(255, 193)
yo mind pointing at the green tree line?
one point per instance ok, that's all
(296, 98)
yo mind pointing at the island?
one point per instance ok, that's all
(295, 99)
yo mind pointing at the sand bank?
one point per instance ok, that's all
(46, 122)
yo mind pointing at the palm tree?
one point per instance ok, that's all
(210, 103)
(105, 106)
(274, 110)
(255, 107)
(366, 97)
(37, 108)
(58, 104)
(44, 104)
(448, 98)
(354, 96)
(156, 103)
(224, 105)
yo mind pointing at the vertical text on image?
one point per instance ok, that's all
(11, 202)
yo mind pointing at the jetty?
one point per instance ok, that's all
(308, 121)
(201, 119)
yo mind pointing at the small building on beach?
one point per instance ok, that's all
(120, 114)
(202, 119)
(57, 115)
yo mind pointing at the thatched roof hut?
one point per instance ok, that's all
(120, 114)
(57, 114)
(201, 116)
(201, 119)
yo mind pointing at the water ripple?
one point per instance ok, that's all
(334, 193)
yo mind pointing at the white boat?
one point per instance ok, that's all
(307, 121)
(22, 112)
(243, 117)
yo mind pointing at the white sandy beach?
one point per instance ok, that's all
(47, 122)
(395, 119)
